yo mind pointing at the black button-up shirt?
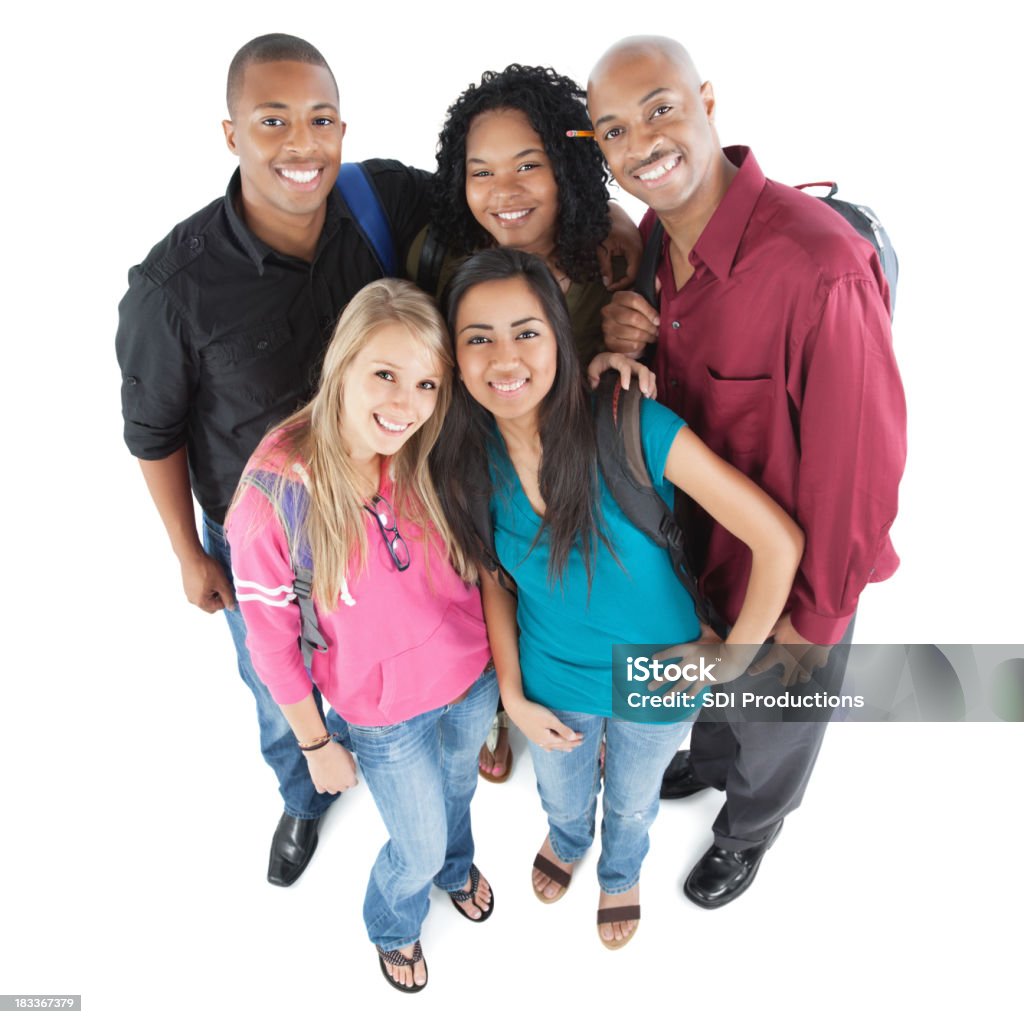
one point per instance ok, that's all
(220, 337)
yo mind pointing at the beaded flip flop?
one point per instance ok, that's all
(397, 958)
(461, 896)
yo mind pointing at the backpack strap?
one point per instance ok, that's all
(480, 513)
(620, 455)
(428, 270)
(291, 513)
(645, 284)
(360, 195)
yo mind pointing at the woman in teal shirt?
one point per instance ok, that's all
(521, 430)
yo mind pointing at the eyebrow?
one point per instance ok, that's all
(276, 105)
(490, 327)
(518, 156)
(646, 99)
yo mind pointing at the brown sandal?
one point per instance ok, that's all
(555, 873)
(611, 915)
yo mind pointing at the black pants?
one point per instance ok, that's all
(763, 767)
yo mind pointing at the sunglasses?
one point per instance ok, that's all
(384, 515)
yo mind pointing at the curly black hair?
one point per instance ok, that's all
(553, 104)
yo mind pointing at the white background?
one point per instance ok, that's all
(136, 812)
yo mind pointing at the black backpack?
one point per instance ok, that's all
(620, 456)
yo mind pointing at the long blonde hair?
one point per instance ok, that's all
(335, 526)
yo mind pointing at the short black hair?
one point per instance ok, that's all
(267, 49)
(553, 104)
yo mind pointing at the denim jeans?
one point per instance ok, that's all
(277, 742)
(422, 774)
(635, 759)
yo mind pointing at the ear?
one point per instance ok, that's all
(229, 135)
(707, 97)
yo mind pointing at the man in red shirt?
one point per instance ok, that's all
(774, 344)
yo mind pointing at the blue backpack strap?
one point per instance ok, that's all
(291, 511)
(360, 195)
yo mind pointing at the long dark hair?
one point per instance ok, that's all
(568, 467)
(553, 104)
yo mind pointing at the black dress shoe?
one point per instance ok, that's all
(292, 847)
(722, 875)
(679, 780)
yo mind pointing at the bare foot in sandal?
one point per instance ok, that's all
(495, 765)
(615, 934)
(549, 889)
(413, 977)
(478, 902)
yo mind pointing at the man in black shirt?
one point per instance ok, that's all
(222, 332)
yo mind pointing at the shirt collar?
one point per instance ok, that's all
(258, 250)
(720, 240)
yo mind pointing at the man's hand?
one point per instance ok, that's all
(206, 584)
(627, 369)
(623, 243)
(629, 324)
(331, 768)
(797, 656)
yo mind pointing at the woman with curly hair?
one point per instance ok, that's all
(508, 174)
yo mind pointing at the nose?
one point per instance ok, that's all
(505, 183)
(504, 355)
(301, 138)
(644, 139)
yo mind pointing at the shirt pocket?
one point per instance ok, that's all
(240, 351)
(259, 365)
(737, 415)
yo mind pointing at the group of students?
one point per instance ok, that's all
(375, 483)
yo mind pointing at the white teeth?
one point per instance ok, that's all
(513, 215)
(300, 177)
(660, 171)
(508, 385)
(395, 428)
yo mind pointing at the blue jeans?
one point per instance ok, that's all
(422, 774)
(636, 757)
(277, 741)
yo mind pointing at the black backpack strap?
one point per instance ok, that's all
(645, 284)
(291, 512)
(480, 513)
(646, 277)
(620, 455)
(428, 270)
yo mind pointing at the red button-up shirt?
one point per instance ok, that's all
(778, 352)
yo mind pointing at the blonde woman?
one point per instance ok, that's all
(343, 486)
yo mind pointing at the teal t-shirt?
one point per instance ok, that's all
(566, 635)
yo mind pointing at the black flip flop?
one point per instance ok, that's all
(397, 958)
(463, 896)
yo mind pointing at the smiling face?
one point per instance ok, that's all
(510, 185)
(287, 134)
(654, 123)
(390, 390)
(505, 348)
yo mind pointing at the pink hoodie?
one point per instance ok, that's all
(400, 643)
